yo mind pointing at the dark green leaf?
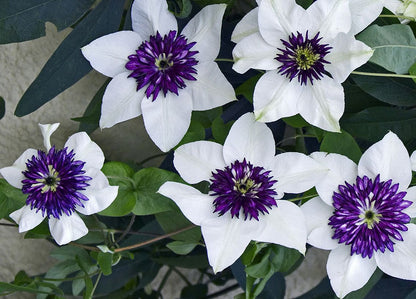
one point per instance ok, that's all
(395, 91)
(105, 261)
(2, 107)
(25, 20)
(220, 129)
(172, 221)
(304, 3)
(196, 131)
(9, 287)
(11, 199)
(394, 46)
(196, 291)
(77, 286)
(209, 2)
(341, 143)
(181, 247)
(122, 205)
(41, 231)
(373, 123)
(356, 99)
(89, 122)
(247, 88)
(67, 65)
(148, 182)
(186, 261)
(206, 117)
(285, 260)
(412, 71)
(181, 8)
(296, 121)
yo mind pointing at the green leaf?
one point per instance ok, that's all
(251, 251)
(196, 291)
(285, 260)
(77, 286)
(206, 117)
(2, 107)
(373, 123)
(209, 2)
(356, 99)
(120, 174)
(247, 88)
(394, 46)
(172, 221)
(196, 131)
(41, 231)
(341, 143)
(395, 91)
(261, 265)
(89, 122)
(180, 8)
(67, 65)
(296, 121)
(220, 129)
(181, 247)
(11, 198)
(186, 261)
(25, 20)
(33, 288)
(148, 182)
(412, 71)
(105, 261)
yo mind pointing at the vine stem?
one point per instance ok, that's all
(224, 60)
(397, 17)
(141, 244)
(383, 75)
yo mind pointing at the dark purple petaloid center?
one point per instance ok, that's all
(303, 58)
(368, 215)
(53, 181)
(245, 187)
(163, 64)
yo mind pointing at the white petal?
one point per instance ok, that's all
(276, 97)
(167, 118)
(280, 17)
(226, 239)
(341, 170)
(205, 30)
(121, 101)
(383, 158)
(250, 140)
(411, 196)
(100, 194)
(67, 228)
(348, 273)
(247, 26)
(333, 17)
(322, 104)
(47, 130)
(413, 160)
(252, 52)
(196, 206)
(195, 161)
(363, 13)
(27, 218)
(85, 150)
(345, 56)
(285, 225)
(150, 16)
(211, 88)
(13, 174)
(317, 215)
(296, 172)
(402, 262)
(109, 53)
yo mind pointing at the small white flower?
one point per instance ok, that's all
(160, 73)
(362, 215)
(247, 181)
(60, 183)
(307, 54)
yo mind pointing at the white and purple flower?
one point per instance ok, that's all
(306, 54)
(247, 181)
(60, 183)
(363, 215)
(159, 72)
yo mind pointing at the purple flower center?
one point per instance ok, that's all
(368, 215)
(245, 187)
(53, 181)
(303, 58)
(163, 64)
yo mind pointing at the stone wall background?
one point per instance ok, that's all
(20, 63)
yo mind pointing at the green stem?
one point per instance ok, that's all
(397, 17)
(384, 75)
(68, 278)
(302, 197)
(188, 283)
(96, 283)
(164, 279)
(294, 137)
(127, 230)
(249, 286)
(224, 60)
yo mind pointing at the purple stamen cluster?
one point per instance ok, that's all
(53, 181)
(368, 215)
(303, 58)
(163, 64)
(245, 187)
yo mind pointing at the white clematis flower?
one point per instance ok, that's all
(306, 54)
(362, 215)
(60, 183)
(247, 181)
(160, 73)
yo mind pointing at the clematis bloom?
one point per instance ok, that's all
(247, 181)
(363, 215)
(60, 183)
(306, 54)
(160, 73)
